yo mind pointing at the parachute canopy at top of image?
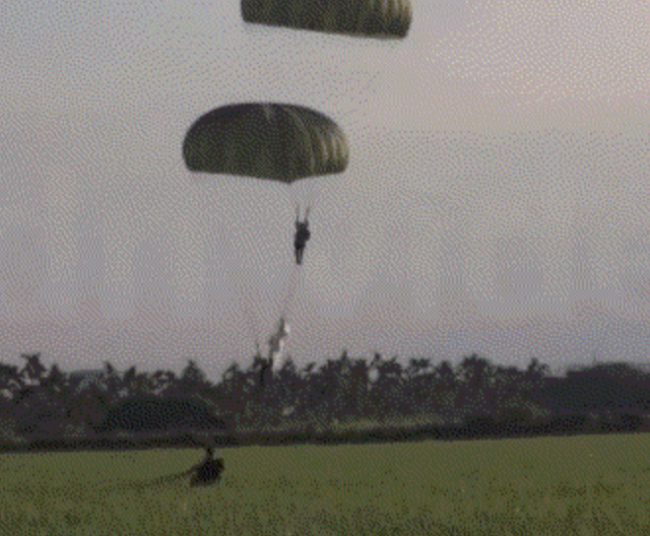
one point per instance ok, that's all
(361, 18)
(279, 142)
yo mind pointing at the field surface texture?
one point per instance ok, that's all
(583, 485)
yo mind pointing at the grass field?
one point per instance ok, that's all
(580, 485)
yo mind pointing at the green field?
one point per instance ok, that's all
(576, 485)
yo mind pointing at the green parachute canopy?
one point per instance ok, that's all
(279, 142)
(363, 18)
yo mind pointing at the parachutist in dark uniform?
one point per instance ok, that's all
(208, 471)
(301, 237)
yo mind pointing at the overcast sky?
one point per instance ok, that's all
(497, 198)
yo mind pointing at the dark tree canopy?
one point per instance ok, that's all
(151, 413)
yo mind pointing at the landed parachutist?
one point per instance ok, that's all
(208, 471)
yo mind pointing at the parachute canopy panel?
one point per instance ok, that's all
(363, 18)
(279, 142)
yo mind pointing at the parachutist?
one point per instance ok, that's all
(208, 471)
(301, 237)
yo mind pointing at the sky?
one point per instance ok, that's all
(497, 198)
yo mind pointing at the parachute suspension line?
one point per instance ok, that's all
(245, 293)
(291, 291)
(354, 102)
(301, 214)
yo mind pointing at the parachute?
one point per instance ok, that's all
(280, 142)
(284, 142)
(362, 18)
(358, 36)
(267, 141)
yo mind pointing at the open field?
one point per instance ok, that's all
(579, 485)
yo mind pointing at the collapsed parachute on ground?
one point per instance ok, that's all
(279, 142)
(363, 18)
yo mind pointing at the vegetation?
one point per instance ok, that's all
(345, 396)
(529, 485)
(542, 486)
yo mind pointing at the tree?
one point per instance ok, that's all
(419, 385)
(38, 413)
(55, 383)
(39, 406)
(88, 408)
(506, 387)
(535, 376)
(163, 381)
(11, 382)
(135, 383)
(192, 380)
(360, 387)
(386, 392)
(232, 392)
(476, 375)
(286, 388)
(34, 370)
(417, 367)
(323, 399)
(313, 390)
(111, 383)
(445, 386)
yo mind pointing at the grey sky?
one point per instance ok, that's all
(496, 200)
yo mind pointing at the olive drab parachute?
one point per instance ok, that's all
(360, 36)
(363, 18)
(284, 142)
(280, 142)
(277, 142)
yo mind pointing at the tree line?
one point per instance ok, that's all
(474, 397)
